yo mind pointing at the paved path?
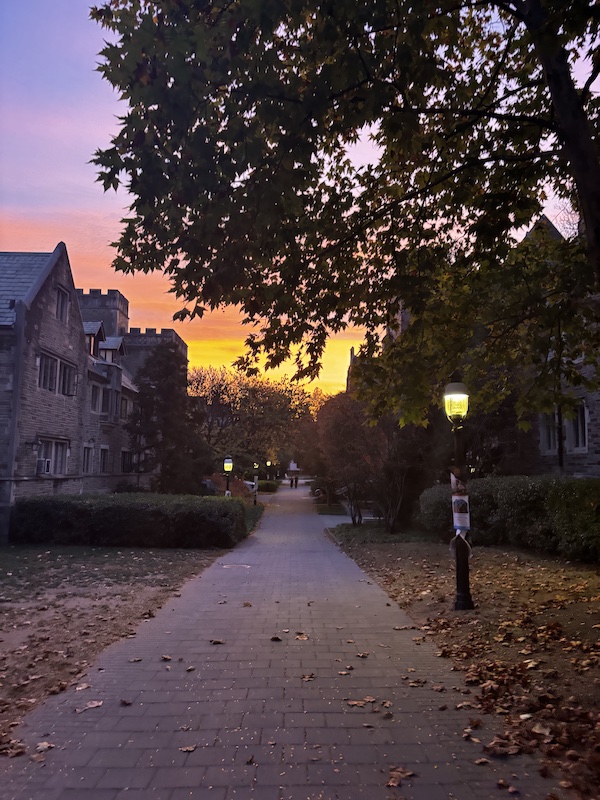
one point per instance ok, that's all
(216, 709)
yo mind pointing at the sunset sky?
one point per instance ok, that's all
(55, 112)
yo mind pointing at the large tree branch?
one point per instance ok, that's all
(574, 129)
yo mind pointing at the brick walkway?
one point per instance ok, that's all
(239, 688)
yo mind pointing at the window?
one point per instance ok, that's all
(52, 457)
(124, 408)
(104, 460)
(548, 433)
(126, 461)
(57, 376)
(95, 399)
(576, 430)
(107, 355)
(66, 379)
(88, 454)
(48, 370)
(105, 401)
(62, 305)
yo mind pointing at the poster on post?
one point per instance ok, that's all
(461, 514)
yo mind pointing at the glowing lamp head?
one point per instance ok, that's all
(268, 463)
(228, 464)
(456, 401)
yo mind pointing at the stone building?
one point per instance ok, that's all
(66, 386)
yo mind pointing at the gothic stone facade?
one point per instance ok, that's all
(65, 390)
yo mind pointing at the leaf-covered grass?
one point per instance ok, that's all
(333, 509)
(373, 532)
(27, 572)
(529, 649)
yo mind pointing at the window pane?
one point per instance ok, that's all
(62, 305)
(104, 460)
(47, 376)
(87, 459)
(59, 465)
(66, 379)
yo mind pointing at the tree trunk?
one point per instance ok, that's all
(574, 128)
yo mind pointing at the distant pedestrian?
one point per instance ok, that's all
(296, 482)
(291, 483)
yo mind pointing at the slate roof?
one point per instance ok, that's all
(543, 223)
(93, 329)
(127, 382)
(21, 277)
(113, 343)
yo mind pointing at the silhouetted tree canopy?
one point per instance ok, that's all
(238, 150)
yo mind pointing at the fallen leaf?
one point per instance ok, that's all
(216, 641)
(126, 702)
(165, 658)
(189, 748)
(43, 747)
(91, 704)
(397, 775)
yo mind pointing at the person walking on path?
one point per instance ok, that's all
(280, 673)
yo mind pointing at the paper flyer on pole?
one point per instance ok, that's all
(460, 504)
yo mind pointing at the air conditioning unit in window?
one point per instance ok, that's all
(43, 466)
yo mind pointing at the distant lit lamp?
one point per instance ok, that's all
(227, 468)
(456, 405)
(268, 470)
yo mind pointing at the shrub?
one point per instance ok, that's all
(523, 511)
(486, 521)
(268, 486)
(130, 520)
(574, 513)
(551, 515)
(436, 508)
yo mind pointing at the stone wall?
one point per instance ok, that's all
(47, 414)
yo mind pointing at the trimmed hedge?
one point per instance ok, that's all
(268, 486)
(130, 520)
(551, 515)
(575, 513)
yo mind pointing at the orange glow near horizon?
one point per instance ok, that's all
(215, 340)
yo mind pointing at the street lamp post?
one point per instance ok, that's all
(456, 404)
(227, 468)
(255, 491)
